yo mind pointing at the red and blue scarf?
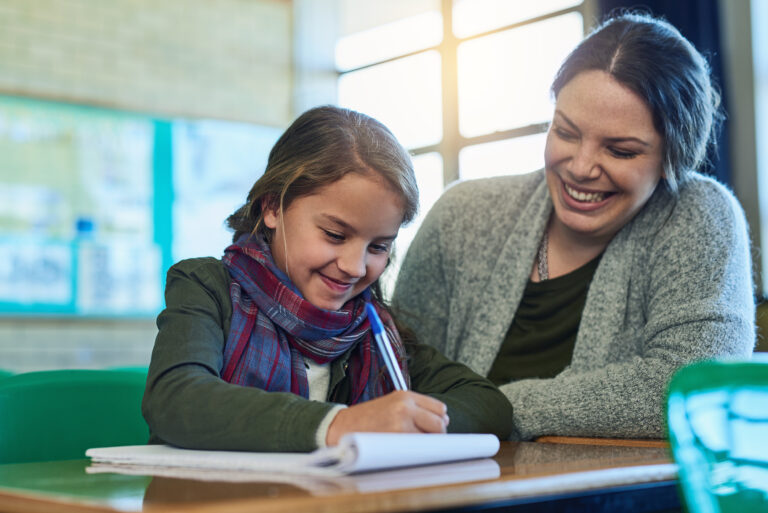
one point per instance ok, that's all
(274, 328)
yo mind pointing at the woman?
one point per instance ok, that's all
(581, 288)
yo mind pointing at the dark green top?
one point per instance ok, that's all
(186, 403)
(539, 343)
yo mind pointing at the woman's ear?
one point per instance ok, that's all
(269, 213)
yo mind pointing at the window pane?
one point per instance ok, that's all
(390, 40)
(429, 175)
(472, 17)
(508, 157)
(404, 94)
(504, 78)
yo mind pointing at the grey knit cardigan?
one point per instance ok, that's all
(673, 286)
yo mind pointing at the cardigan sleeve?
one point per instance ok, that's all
(187, 404)
(695, 302)
(422, 293)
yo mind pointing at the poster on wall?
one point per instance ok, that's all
(215, 164)
(96, 204)
(76, 211)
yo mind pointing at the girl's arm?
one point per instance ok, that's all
(187, 404)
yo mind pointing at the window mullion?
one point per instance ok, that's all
(449, 146)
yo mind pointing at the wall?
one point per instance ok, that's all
(221, 59)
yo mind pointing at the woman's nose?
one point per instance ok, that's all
(351, 261)
(585, 163)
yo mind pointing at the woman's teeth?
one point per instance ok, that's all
(591, 197)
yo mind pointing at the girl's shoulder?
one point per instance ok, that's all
(207, 271)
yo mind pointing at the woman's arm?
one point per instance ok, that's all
(697, 304)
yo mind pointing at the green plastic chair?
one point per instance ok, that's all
(717, 417)
(57, 415)
(5, 373)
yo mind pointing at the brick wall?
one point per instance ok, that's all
(228, 59)
(222, 59)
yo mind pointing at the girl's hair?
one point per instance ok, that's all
(321, 146)
(650, 57)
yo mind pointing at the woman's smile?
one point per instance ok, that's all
(583, 199)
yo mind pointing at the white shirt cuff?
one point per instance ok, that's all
(322, 429)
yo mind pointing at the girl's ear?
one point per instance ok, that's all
(269, 213)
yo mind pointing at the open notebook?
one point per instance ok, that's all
(356, 452)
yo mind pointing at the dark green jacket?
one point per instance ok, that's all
(186, 403)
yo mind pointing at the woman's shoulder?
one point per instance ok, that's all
(705, 201)
(498, 186)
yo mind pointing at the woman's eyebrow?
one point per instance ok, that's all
(567, 120)
(609, 139)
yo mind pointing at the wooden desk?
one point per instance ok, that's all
(524, 476)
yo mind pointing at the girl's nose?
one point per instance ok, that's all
(351, 261)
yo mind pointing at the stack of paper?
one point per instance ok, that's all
(356, 452)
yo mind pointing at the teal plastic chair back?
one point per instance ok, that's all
(717, 416)
(57, 415)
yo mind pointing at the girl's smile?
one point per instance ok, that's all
(335, 242)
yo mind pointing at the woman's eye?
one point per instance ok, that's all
(337, 237)
(622, 154)
(564, 134)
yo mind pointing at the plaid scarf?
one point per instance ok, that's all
(274, 328)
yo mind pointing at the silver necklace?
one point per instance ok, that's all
(541, 258)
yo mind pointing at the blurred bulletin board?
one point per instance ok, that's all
(96, 204)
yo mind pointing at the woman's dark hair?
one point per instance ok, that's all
(320, 147)
(650, 57)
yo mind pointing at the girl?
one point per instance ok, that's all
(269, 348)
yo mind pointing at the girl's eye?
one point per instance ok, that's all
(336, 237)
(379, 248)
(622, 154)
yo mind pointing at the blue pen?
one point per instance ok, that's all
(385, 348)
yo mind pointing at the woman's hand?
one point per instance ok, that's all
(396, 412)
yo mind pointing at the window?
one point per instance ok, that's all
(463, 84)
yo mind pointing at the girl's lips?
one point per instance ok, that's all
(335, 285)
(586, 199)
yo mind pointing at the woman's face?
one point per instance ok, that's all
(603, 157)
(335, 242)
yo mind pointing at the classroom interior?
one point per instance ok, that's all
(130, 129)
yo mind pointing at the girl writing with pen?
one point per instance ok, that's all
(270, 348)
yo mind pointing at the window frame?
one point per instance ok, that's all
(453, 141)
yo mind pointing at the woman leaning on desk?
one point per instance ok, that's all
(581, 288)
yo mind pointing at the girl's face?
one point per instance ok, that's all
(335, 242)
(603, 156)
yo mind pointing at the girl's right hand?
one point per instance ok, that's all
(396, 412)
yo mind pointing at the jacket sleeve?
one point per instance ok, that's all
(474, 404)
(187, 404)
(696, 303)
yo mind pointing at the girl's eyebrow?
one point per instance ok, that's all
(609, 139)
(343, 224)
